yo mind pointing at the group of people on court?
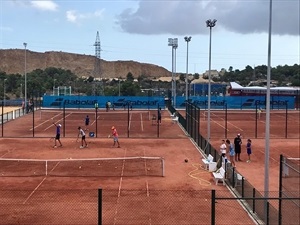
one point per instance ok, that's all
(82, 134)
(234, 149)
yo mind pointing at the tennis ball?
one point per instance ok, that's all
(186, 160)
(79, 167)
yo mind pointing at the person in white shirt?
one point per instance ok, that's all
(82, 134)
(223, 149)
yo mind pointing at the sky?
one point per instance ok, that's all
(138, 30)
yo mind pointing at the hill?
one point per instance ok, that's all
(13, 62)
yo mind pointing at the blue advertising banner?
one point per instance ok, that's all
(90, 101)
(239, 102)
(217, 102)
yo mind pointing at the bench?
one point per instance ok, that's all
(173, 115)
(238, 180)
(208, 161)
(175, 119)
(219, 175)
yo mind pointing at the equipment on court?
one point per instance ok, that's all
(90, 167)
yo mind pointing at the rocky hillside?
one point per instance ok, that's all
(12, 61)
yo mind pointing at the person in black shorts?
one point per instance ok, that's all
(159, 115)
(237, 147)
(87, 122)
(82, 134)
(57, 136)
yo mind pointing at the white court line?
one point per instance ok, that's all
(45, 121)
(269, 156)
(129, 121)
(120, 187)
(147, 190)
(34, 190)
(222, 125)
(231, 125)
(56, 122)
(142, 125)
(235, 126)
(219, 124)
(39, 185)
(8, 151)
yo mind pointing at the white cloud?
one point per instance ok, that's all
(71, 16)
(188, 17)
(75, 17)
(44, 5)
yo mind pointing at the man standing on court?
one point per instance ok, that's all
(87, 122)
(115, 136)
(82, 134)
(57, 136)
(159, 115)
(237, 147)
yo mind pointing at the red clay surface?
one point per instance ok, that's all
(120, 206)
(182, 196)
(134, 124)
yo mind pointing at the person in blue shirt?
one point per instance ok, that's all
(231, 152)
(87, 122)
(57, 136)
(249, 150)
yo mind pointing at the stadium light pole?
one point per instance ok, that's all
(25, 76)
(268, 99)
(4, 80)
(187, 39)
(173, 42)
(209, 23)
(175, 63)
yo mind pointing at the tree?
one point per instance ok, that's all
(130, 89)
(296, 80)
(130, 77)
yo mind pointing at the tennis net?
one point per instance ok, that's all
(74, 115)
(90, 167)
(276, 115)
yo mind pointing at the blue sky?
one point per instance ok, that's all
(138, 30)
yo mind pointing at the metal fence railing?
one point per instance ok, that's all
(267, 210)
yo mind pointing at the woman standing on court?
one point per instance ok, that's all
(231, 152)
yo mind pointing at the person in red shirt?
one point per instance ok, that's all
(115, 136)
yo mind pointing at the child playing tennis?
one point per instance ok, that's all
(82, 134)
(115, 135)
(57, 136)
(249, 150)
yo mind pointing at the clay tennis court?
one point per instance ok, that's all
(180, 196)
